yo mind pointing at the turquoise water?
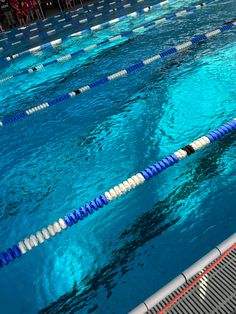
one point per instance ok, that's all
(56, 160)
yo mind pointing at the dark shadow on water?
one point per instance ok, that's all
(147, 227)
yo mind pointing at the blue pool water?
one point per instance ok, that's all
(58, 159)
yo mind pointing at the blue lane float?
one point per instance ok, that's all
(34, 240)
(200, 38)
(117, 37)
(85, 31)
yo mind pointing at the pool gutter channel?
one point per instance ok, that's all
(185, 276)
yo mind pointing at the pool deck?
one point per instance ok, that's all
(208, 286)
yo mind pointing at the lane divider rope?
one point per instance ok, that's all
(117, 37)
(28, 36)
(50, 21)
(46, 20)
(117, 191)
(83, 32)
(59, 19)
(195, 40)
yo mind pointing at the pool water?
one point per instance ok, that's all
(58, 159)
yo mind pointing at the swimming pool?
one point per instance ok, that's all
(56, 160)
